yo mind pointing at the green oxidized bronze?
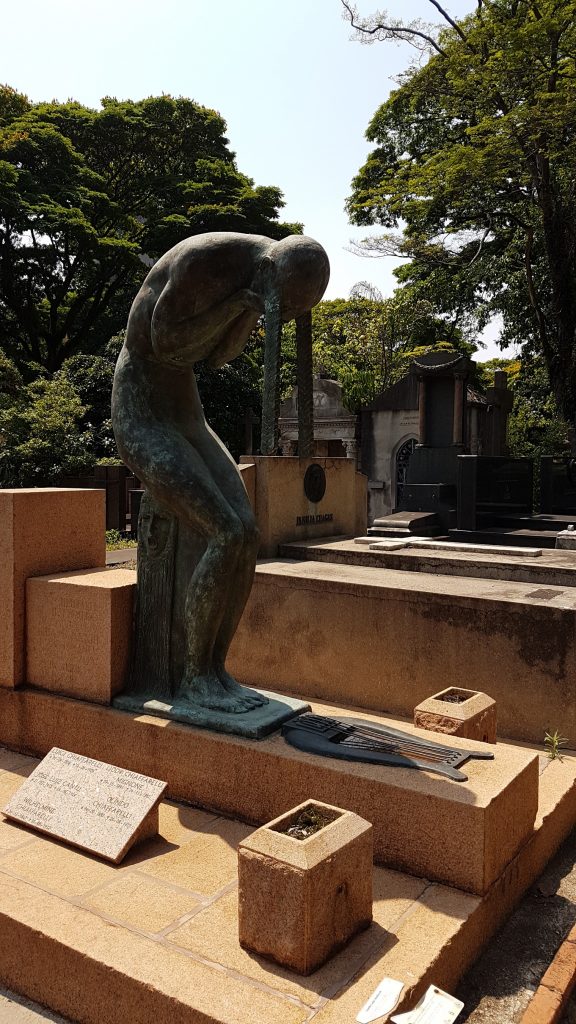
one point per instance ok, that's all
(198, 536)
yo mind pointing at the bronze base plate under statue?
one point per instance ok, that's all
(252, 725)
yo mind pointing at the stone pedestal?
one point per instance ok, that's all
(301, 900)
(78, 628)
(458, 712)
(461, 834)
(284, 510)
(42, 530)
(566, 539)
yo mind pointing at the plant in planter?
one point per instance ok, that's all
(459, 712)
(305, 885)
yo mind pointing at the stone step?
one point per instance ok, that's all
(406, 524)
(387, 638)
(138, 944)
(380, 532)
(550, 569)
(404, 518)
(500, 535)
(389, 531)
(538, 522)
(491, 815)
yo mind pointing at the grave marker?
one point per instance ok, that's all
(93, 805)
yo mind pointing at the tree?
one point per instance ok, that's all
(534, 426)
(41, 434)
(367, 344)
(91, 378)
(475, 156)
(89, 198)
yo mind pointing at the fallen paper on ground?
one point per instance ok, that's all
(383, 1000)
(435, 1007)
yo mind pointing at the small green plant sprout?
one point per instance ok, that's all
(116, 540)
(554, 743)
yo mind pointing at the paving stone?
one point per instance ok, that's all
(213, 933)
(16, 1009)
(141, 902)
(58, 869)
(179, 824)
(204, 865)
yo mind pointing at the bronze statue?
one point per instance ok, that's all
(199, 538)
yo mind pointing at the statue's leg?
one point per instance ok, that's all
(229, 480)
(177, 477)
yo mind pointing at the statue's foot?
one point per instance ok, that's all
(236, 690)
(207, 691)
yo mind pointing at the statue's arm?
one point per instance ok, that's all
(235, 339)
(191, 338)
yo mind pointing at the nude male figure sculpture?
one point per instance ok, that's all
(201, 301)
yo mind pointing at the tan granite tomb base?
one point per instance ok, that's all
(461, 833)
(302, 900)
(42, 530)
(284, 513)
(385, 639)
(78, 628)
(156, 939)
(474, 717)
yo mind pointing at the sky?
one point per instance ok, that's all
(296, 92)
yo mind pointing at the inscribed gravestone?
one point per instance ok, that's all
(95, 806)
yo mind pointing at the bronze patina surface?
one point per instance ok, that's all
(198, 535)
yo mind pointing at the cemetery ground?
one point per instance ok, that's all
(500, 987)
(15, 1009)
(156, 937)
(168, 915)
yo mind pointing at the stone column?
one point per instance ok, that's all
(474, 431)
(422, 409)
(43, 530)
(271, 388)
(305, 385)
(457, 435)
(351, 447)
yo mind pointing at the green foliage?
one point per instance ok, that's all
(59, 424)
(474, 157)
(41, 436)
(89, 197)
(116, 540)
(92, 377)
(10, 379)
(534, 428)
(367, 345)
(554, 742)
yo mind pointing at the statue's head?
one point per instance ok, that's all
(301, 273)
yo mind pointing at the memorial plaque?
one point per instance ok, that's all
(90, 804)
(315, 483)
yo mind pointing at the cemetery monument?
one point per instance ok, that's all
(198, 535)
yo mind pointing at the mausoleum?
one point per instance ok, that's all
(398, 420)
(335, 427)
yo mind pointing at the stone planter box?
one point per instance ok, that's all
(301, 900)
(459, 712)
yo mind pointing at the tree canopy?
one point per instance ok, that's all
(475, 159)
(367, 344)
(89, 198)
(534, 426)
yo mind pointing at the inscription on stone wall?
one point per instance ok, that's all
(90, 804)
(325, 517)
